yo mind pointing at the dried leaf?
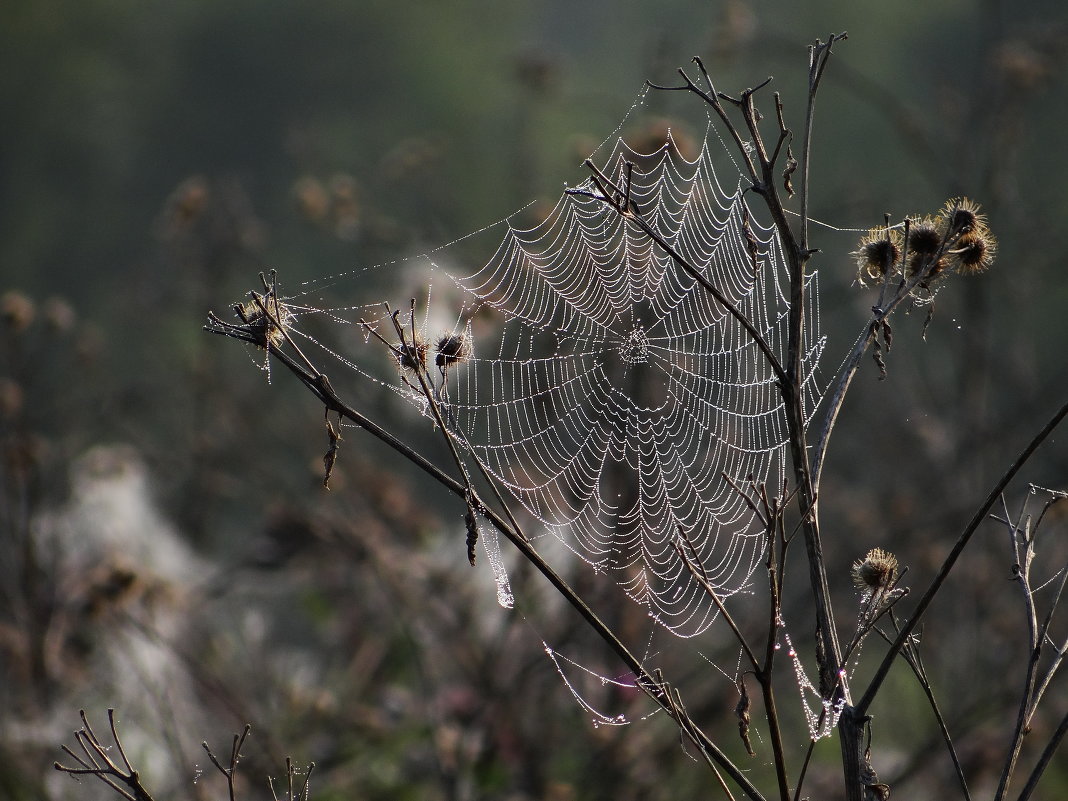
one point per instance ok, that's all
(741, 711)
(877, 352)
(927, 320)
(331, 453)
(472, 532)
(751, 243)
(788, 171)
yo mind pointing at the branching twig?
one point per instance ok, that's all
(951, 559)
(123, 779)
(911, 654)
(301, 794)
(230, 769)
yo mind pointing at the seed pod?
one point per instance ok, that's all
(877, 570)
(879, 250)
(452, 349)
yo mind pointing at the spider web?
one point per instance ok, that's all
(618, 396)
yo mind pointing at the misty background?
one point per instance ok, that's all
(168, 548)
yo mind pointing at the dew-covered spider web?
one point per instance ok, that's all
(617, 396)
(612, 395)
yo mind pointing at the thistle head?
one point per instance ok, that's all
(876, 571)
(452, 349)
(961, 216)
(876, 254)
(411, 356)
(975, 252)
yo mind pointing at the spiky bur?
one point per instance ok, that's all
(877, 254)
(924, 243)
(960, 216)
(956, 239)
(452, 349)
(876, 576)
(412, 357)
(876, 571)
(975, 252)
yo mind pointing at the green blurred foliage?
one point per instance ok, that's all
(155, 156)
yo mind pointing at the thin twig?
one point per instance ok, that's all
(125, 780)
(702, 579)
(947, 565)
(911, 654)
(609, 191)
(1045, 758)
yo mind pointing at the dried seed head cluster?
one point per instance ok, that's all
(268, 328)
(957, 238)
(876, 571)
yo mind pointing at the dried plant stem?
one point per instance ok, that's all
(123, 779)
(1044, 760)
(947, 565)
(321, 387)
(911, 655)
(230, 769)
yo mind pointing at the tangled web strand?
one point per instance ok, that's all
(622, 394)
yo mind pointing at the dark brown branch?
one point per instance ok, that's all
(950, 560)
(123, 780)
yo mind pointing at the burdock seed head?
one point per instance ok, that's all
(452, 349)
(961, 216)
(269, 332)
(975, 252)
(877, 570)
(876, 254)
(924, 236)
(411, 357)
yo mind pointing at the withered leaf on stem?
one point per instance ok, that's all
(741, 710)
(331, 453)
(472, 532)
(788, 171)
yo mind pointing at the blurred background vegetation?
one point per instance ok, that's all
(167, 547)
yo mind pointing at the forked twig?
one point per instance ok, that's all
(304, 792)
(911, 654)
(230, 769)
(94, 761)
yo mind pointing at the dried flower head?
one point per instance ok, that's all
(452, 349)
(961, 216)
(267, 328)
(411, 357)
(877, 253)
(877, 570)
(975, 252)
(924, 236)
